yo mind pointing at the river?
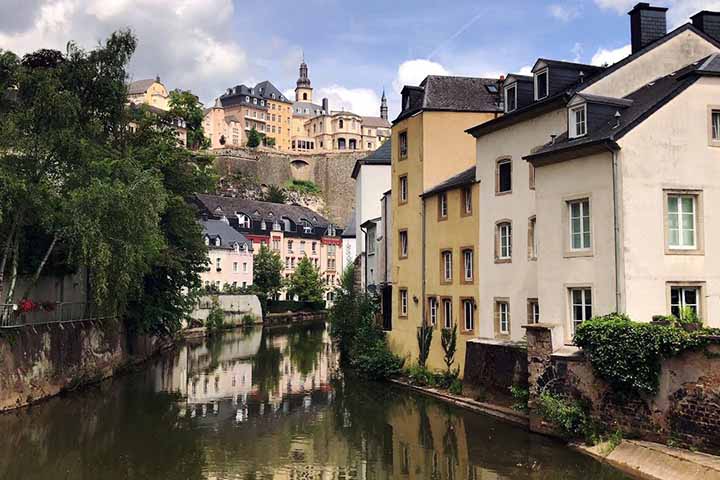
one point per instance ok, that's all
(260, 404)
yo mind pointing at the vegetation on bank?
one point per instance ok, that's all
(88, 183)
(361, 342)
(303, 187)
(419, 374)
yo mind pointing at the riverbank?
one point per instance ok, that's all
(642, 460)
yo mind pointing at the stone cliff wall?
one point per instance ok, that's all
(37, 362)
(330, 171)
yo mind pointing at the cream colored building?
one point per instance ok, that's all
(597, 183)
(230, 256)
(429, 146)
(149, 92)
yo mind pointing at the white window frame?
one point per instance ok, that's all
(443, 204)
(403, 243)
(546, 72)
(447, 313)
(584, 303)
(403, 188)
(403, 302)
(468, 261)
(503, 308)
(468, 314)
(512, 86)
(683, 289)
(236, 267)
(680, 213)
(467, 193)
(574, 131)
(433, 309)
(535, 311)
(504, 250)
(447, 265)
(584, 204)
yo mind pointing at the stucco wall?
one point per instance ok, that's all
(370, 184)
(331, 172)
(235, 307)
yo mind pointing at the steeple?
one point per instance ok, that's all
(303, 90)
(383, 106)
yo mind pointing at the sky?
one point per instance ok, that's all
(353, 49)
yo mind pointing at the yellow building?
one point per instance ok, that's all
(450, 218)
(430, 146)
(149, 92)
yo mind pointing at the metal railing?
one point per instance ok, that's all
(12, 316)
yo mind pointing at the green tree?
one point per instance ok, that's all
(254, 138)
(275, 194)
(267, 274)
(306, 282)
(185, 105)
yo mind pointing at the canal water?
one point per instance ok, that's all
(260, 404)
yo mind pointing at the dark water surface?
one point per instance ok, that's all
(268, 405)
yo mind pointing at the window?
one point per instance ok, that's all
(467, 201)
(341, 123)
(531, 174)
(331, 250)
(403, 189)
(313, 247)
(245, 267)
(532, 240)
(276, 244)
(235, 267)
(447, 313)
(290, 246)
(442, 205)
(510, 98)
(579, 214)
(580, 306)
(447, 272)
(371, 239)
(468, 272)
(542, 79)
(502, 316)
(578, 121)
(302, 246)
(533, 311)
(468, 314)
(503, 248)
(403, 302)
(403, 244)
(244, 221)
(684, 297)
(715, 127)
(503, 176)
(403, 145)
(217, 264)
(682, 221)
(217, 241)
(433, 310)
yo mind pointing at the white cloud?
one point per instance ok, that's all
(526, 70)
(189, 45)
(412, 72)
(604, 56)
(577, 51)
(564, 13)
(362, 101)
(620, 6)
(679, 10)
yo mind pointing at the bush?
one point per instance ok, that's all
(303, 187)
(424, 339)
(449, 345)
(628, 355)
(521, 396)
(420, 375)
(216, 319)
(568, 416)
(248, 320)
(456, 387)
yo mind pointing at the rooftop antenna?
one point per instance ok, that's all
(582, 76)
(617, 118)
(552, 139)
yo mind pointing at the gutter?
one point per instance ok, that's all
(364, 256)
(422, 272)
(616, 224)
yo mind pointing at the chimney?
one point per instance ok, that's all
(647, 24)
(708, 22)
(326, 105)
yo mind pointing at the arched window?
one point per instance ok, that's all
(341, 123)
(304, 96)
(341, 144)
(243, 220)
(352, 144)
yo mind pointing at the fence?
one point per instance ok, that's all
(12, 316)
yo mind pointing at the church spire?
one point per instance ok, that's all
(383, 106)
(303, 90)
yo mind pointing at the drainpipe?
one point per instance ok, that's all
(364, 256)
(422, 272)
(616, 222)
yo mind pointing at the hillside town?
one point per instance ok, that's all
(508, 275)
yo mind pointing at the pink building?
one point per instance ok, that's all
(230, 256)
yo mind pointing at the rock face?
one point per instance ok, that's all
(329, 171)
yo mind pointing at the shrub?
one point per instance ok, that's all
(424, 339)
(456, 387)
(216, 319)
(568, 416)
(521, 396)
(449, 345)
(628, 355)
(248, 320)
(303, 187)
(420, 375)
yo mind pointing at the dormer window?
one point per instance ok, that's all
(542, 84)
(207, 241)
(217, 241)
(577, 121)
(243, 220)
(510, 98)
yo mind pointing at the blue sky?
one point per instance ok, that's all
(353, 49)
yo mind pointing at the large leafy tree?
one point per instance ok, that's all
(267, 273)
(184, 104)
(306, 282)
(79, 188)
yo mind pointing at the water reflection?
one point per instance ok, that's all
(268, 405)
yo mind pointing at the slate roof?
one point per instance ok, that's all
(228, 235)
(455, 94)
(312, 107)
(585, 67)
(375, 122)
(140, 86)
(265, 210)
(267, 89)
(349, 231)
(466, 177)
(381, 156)
(643, 102)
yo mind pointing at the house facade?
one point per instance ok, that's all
(230, 256)
(429, 146)
(596, 182)
(291, 231)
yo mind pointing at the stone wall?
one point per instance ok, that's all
(42, 361)
(330, 171)
(235, 308)
(685, 411)
(495, 366)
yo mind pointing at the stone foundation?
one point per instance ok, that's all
(494, 366)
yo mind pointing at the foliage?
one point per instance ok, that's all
(449, 345)
(628, 354)
(424, 339)
(215, 321)
(306, 282)
(254, 138)
(184, 104)
(420, 375)
(361, 342)
(274, 194)
(569, 416)
(456, 387)
(248, 320)
(303, 187)
(521, 396)
(688, 316)
(269, 141)
(80, 189)
(267, 274)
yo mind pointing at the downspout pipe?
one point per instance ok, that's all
(422, 272)
(616, 225)
(364, 257)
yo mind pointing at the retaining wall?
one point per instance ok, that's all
(495, 365)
